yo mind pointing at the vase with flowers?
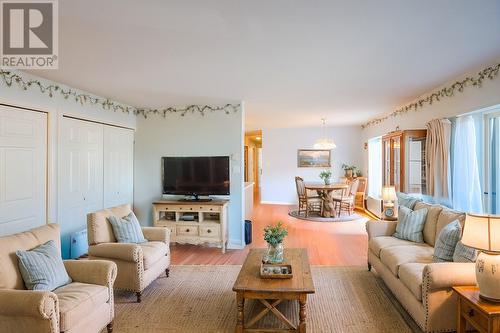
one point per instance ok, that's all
(326, 175)
(274, 236)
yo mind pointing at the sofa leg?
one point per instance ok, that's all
(139, 295)
(369, 267)
(109, 327)
(167, 272)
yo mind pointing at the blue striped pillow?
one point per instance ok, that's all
(127, 229)
(42, 267)
(447, 242)
(464, 253)
(411, 224)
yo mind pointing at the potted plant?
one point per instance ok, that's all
(274, 236)
(347, 170)
(326, 175)
(351, 170)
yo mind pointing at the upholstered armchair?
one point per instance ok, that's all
(85, 305)
(138, 264)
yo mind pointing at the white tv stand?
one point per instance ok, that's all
(193, 222)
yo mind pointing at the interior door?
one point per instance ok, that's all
(118, 166)
(81, 175)
(23, 169)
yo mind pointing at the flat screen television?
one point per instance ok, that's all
(195, 176)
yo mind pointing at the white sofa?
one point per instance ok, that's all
(422, 287)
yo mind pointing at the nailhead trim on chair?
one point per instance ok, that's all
(49, 315)
(111, 277)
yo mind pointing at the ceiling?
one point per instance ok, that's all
(291, 61)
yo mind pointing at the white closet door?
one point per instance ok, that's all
(118, 166)
(23, 169)
(81, 172)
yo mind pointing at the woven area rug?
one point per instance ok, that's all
(200, 299)
(318, 218)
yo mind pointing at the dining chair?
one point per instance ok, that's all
(359, 198)
(307, 203)
(345, 201)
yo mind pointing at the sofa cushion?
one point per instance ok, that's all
(152, 252)
(446, 242)
(411, 276)
(376, 244)
(447, 216)
(411, 224)
(77, 300)
(395, 256)
(42, 267)
(433, 212)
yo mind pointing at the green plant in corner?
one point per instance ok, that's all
(326, 175)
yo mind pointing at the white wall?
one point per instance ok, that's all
(56, 107)
(279, 158)
(192, 135)
(471, 99)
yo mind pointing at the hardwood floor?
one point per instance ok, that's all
(334, 243)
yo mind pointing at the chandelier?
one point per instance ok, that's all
(324, 142)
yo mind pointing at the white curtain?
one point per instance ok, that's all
(494, 166)
(375, 167)
(466, 187)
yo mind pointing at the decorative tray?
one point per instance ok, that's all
(275, 271)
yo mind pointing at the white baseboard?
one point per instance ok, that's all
(235, 244)
(278, 203)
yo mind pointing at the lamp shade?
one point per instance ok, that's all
(388, 193)
(482, 232)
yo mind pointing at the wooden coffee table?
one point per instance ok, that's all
(271, 292)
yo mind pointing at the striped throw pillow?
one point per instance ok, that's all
(407, 200)
(42, 267)
(411, 224)
(447, 242)
(127, 229)
(464, 253)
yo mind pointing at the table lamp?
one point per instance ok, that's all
(388, 198)
(482, 232)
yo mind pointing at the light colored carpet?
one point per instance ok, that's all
(200, 299)
(317, 218)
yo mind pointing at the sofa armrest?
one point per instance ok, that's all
(121, 251)
(380, 228)
(100, 272)
(29, 303)
(160, 234)
(445, 275)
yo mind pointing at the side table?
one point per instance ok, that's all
(483, 315)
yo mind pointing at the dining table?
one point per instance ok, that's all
(325, 193)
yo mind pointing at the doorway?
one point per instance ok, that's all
(253, 159)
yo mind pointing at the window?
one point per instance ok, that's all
(476, 135)
(375, 167)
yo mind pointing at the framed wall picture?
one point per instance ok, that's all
(314, 158)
